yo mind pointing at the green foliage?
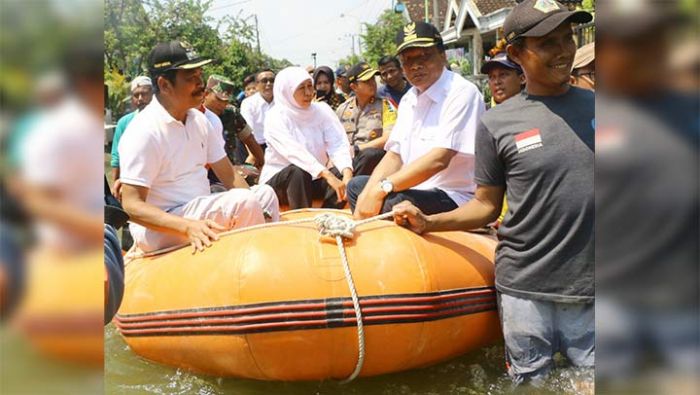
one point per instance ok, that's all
(118, 88)
(464, 66)
(350, 60)
(588, 5)
(133, 27)
(378, 39)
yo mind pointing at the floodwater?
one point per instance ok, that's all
(479, 372)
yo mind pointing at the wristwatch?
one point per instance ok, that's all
(386, 186)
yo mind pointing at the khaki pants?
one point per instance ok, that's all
(236, 208)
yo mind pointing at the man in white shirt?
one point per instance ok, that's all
(430, 153)
(255, 108)
(165, 188)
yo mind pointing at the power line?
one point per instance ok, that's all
(229, 5)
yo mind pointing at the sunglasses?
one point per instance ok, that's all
(267, 81)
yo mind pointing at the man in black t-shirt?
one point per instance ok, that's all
(538, 146)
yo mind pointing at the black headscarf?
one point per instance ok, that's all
(331, 97)
(329, 73)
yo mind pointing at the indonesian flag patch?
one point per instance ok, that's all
(528, 140)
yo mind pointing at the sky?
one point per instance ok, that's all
(293, 29)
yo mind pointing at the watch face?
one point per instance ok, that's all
(387, 186)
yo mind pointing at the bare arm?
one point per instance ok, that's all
(370, 200)
(255, 150)
(478, 212)
(435, 161)
(223, 168)
(200, 233)
(116, 183)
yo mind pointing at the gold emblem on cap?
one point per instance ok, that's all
(546, 6)
(409, 31)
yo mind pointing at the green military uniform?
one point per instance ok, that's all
(234, 125)
(369, 123)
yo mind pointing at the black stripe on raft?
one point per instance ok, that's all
(336, 323)
(321, 302)
(309, 314)
(334, 310)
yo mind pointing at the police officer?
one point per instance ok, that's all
(367, 119)
(228, 120)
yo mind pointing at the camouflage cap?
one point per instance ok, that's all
(222, 87)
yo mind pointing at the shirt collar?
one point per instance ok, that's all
(438, 91)
(163, 114)
(261, 100)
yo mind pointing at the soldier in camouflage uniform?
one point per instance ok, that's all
(367, 119)
(230, 122)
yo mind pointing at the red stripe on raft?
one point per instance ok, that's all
(298, 315)
(320, 323)
(298, 307)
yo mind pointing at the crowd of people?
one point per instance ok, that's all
(194, 159)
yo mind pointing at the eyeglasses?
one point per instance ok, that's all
(266, 81)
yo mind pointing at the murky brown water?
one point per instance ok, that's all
(480, 372)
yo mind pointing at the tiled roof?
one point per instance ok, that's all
(488, 6)
(416, 10)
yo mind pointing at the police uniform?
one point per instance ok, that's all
(365, 124)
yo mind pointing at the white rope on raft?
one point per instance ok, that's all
(343, 227)
(330, 225)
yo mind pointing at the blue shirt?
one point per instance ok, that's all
(392, 95)
(121, 127)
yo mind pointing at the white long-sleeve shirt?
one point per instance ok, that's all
(308, 146)
(254, 110)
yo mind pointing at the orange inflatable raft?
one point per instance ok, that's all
(273, 303)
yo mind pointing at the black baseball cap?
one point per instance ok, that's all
(500, 60)
(536, 18)
(361, 72)
(417, 34)
(341, 71)
(175, 55)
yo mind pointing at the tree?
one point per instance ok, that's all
(379, 38)
(134, 27)
(350, 60)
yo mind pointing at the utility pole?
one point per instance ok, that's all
(425, 9)
(313, 55)
(436, 14)
(257, 32)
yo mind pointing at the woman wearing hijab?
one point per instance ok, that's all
(301, 138)
(323, 84)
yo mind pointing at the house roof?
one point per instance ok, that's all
(416, 10)
(488, 6)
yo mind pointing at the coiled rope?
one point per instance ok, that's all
(329, 225)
